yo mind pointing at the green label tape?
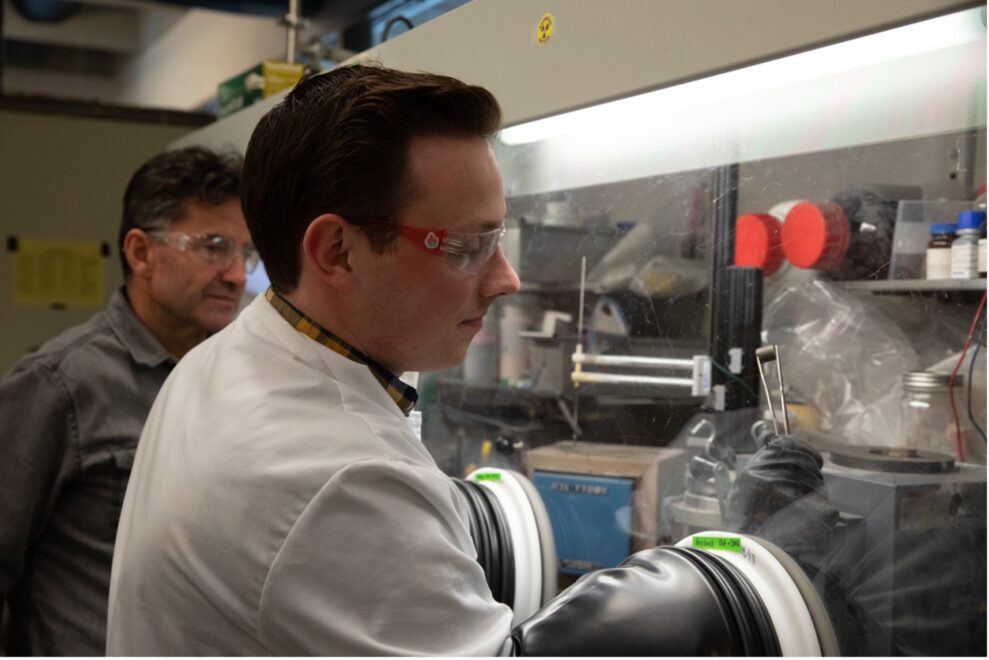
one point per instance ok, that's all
(488, 476)
(725, 543)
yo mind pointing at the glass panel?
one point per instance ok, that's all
(849, 163)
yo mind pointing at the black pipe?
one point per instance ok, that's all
(725, 206)
(744, 332)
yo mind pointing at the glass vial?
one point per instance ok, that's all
(965, 248)
(938, 260)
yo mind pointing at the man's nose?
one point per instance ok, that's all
(500, 279)
(235, 273)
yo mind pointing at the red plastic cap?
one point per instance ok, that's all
(757, 242)
(815, 235)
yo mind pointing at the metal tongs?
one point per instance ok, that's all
(770, 354)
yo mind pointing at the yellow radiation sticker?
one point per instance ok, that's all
(545, 28)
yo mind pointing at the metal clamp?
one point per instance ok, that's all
(699, 366)
(771, 354)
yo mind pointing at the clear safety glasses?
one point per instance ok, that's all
(212, 249)
(467, 252)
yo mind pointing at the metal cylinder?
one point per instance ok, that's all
(293, 21)
(625, 379)
(633, 361)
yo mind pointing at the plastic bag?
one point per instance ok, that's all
(845, 358)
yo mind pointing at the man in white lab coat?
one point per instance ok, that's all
(280, 502)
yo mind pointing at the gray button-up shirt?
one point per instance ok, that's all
(71, 414)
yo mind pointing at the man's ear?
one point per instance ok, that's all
(140, 253)
(326, 249)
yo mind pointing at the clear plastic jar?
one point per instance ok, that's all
(928, 423)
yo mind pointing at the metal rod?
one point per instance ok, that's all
(633, 361)
(599, 377)
(580, 347)
(293, 21)
(580, 308)
(769, 397)
(779, 374)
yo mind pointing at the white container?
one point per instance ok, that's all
(514, 363)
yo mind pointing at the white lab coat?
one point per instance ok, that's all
(281, 504)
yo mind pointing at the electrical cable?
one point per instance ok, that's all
(971, 373)
(959, 446)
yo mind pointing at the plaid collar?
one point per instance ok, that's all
(402, 394)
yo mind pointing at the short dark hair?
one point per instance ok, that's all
(338, 143)
(158, 191)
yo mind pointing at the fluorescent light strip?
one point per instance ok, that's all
(926, 36)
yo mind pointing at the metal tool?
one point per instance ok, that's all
(770, 354)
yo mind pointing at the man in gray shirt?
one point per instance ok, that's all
(71, 412)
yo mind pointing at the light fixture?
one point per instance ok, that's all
(922, 37)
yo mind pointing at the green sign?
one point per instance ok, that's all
(723, 543)
(488, 476)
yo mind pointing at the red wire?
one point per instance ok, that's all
(951, 382)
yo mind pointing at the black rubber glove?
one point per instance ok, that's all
(656, 602)
(780, 496)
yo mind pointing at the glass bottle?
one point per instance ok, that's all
(965, 248)
(938, 259)
(928, 423)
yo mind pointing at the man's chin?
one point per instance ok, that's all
(216, 321)
(451, 359)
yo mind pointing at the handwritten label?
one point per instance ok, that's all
(723, 543)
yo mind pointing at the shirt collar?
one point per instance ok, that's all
(136, 338)
(401, 393)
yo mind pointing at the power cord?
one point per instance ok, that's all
(959, 445)
(971, 371)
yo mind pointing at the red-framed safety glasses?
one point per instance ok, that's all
(465, 251)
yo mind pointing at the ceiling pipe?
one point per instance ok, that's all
(55, 11)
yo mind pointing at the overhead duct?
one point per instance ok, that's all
(45, 11)
(55, 11)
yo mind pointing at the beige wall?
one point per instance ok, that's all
(63, 177)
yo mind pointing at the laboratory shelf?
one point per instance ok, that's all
(909, 286)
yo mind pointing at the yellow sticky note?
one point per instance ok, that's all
(58, 272)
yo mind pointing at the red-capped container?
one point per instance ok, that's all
(757, 242)
(815, 235)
